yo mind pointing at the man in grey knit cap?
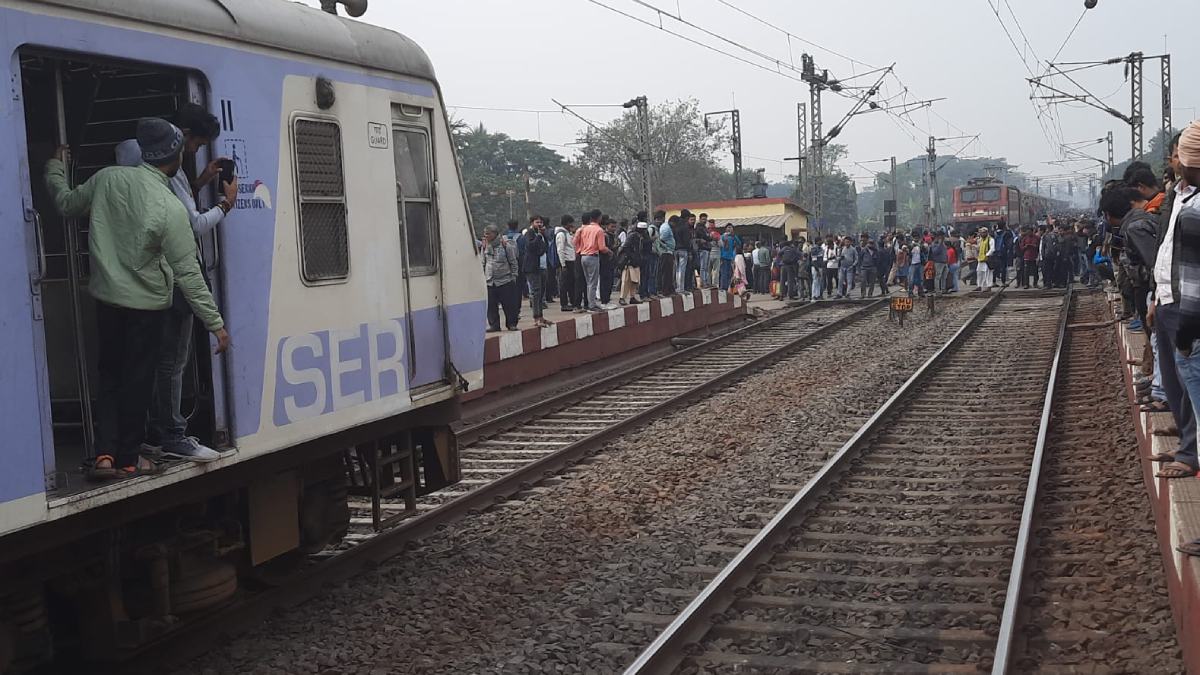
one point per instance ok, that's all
(141, 247)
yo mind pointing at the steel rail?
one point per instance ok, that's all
(389, 543)
(538, 409)
(668, 650)
(1008, 620)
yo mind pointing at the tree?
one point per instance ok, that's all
(494, 165)
(682, 153)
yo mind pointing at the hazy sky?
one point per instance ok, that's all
(520, 54)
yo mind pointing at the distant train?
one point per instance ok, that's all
(344, 276)
(988, 201)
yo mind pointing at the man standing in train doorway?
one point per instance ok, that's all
(137, 224)
(167, 432)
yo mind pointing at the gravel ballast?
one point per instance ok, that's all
(545, 583)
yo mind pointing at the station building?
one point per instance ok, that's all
(762, 218)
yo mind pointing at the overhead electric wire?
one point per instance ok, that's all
(684, 37)
(791, 36)
(730, 41)
(780, 66)
(1068, 38)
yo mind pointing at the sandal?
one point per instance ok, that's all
(1162, 457)
(1156, 406)
(1176, 470)
(99, 474)
(1166, 431)
(1190, 548)
(151, 467)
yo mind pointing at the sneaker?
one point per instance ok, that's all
(607, 307)
(190, 448)
(1136, 324)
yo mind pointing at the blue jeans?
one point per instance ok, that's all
(681, 270)
(954, 276)
(649, 285)
(818, 275)
(1180, 376)
(845, 280)
(726, 273)
(168, 426)
(1156, 388)
(914, 274)
(702, 263)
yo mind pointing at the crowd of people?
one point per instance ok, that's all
(581, 264)
(1153, 246)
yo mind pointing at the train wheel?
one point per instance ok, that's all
(201, 584)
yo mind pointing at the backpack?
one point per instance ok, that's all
(789, 256)
(1053, 245)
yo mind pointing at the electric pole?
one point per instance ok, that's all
(643, 126)
(816, 167)
(1135, 110)
(931, 173)
(1166, 106)
(890, 210)
(1110, 155)
(801, 136)
(737, 146)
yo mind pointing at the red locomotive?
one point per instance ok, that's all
(987, 201)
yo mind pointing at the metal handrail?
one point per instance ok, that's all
(665, 653)
(1008, 619)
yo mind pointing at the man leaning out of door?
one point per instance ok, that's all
(141, 247)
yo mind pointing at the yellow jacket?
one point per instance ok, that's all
(985, 248)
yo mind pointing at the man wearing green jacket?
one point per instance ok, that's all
(141, 246)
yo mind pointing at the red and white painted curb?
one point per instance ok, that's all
(581, 327)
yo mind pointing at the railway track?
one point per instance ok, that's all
(896, 556)
(511, 453)
(1093, 598)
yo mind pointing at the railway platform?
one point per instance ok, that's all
(1176, 505)
(516, 357)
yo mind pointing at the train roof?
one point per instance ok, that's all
(276, 24)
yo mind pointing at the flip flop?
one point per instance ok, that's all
(1190, 548)
(1162, 457)
(1166, 431)
(99, 474)
(1176, 470)
(1156, 407)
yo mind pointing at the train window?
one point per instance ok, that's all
(967, 196)
(989, 194)
(414, 196)
(321, 189)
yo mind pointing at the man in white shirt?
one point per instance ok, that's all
(1164, 316)
(570, 292)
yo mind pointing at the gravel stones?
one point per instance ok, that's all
(546, 585)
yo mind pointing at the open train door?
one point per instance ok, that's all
(416, 202)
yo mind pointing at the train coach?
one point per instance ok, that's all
(986, 202)
(343, 276)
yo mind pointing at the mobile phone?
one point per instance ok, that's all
(228, 170)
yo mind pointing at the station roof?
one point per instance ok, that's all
(733, 203)
(277, 24)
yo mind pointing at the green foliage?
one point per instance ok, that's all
(605, 174)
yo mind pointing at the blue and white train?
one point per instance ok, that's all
(343, 275)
